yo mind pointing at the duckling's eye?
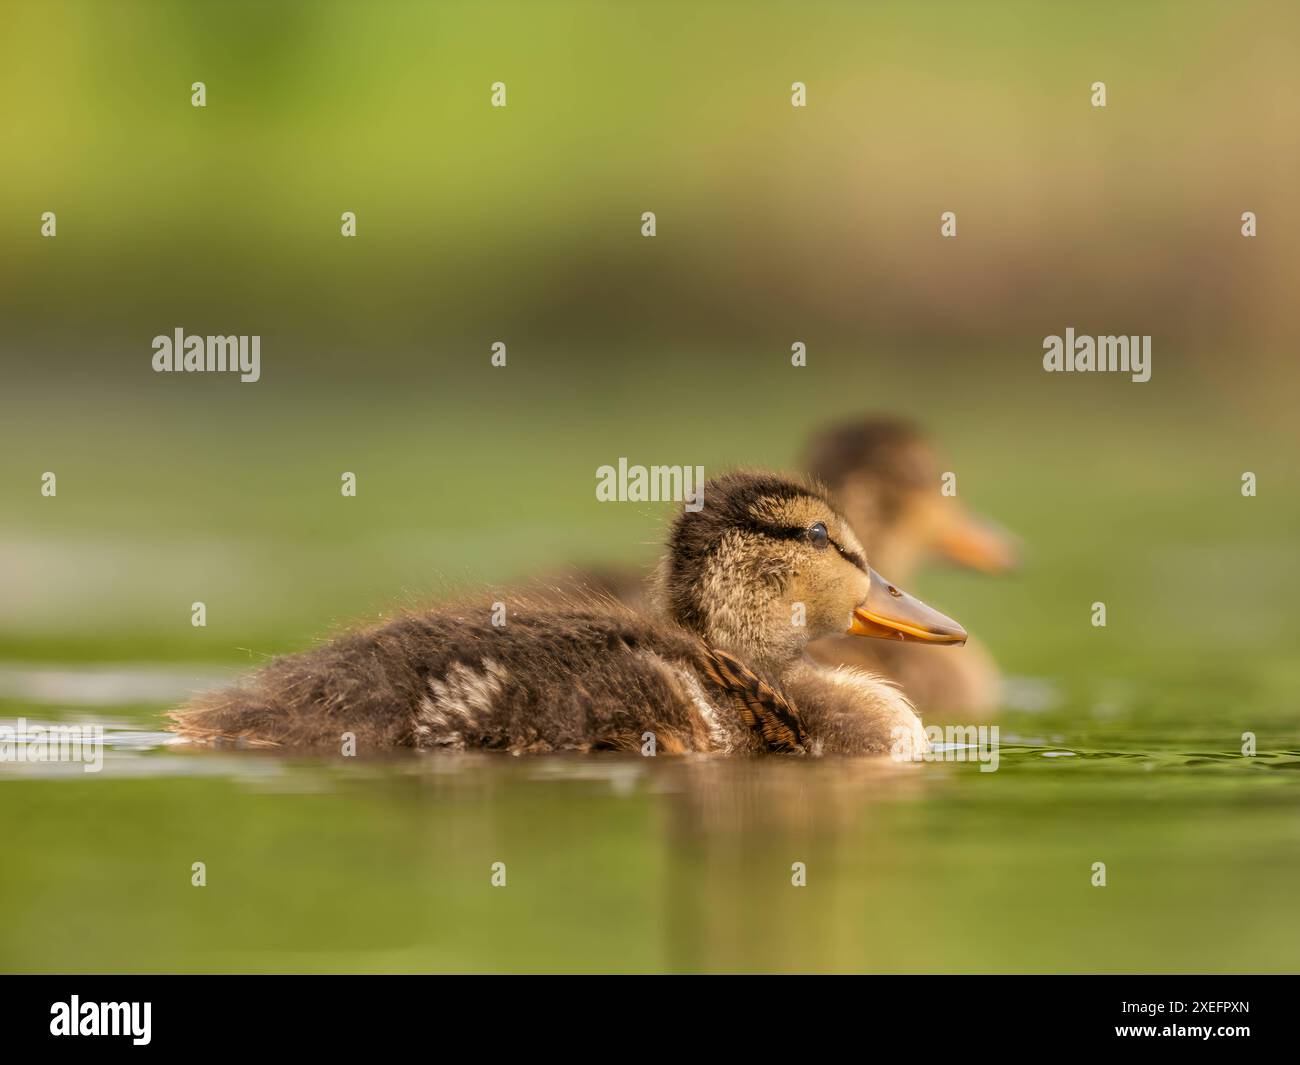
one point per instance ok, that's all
(818, 536)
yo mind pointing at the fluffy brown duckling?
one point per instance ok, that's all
(885, 476)
(766, 566)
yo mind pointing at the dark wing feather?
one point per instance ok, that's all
(763, 709)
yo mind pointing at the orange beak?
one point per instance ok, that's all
(980, 544)
(891, 614)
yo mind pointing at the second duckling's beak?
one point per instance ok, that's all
(891, 614)
(980, 544)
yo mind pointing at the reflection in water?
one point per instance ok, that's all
(738, 837)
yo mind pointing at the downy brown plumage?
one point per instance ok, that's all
(746, 582)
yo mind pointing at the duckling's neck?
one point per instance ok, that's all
(756, 631)
(755, 646)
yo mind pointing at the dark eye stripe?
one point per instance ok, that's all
(852, 557)
(778, 532)
(794, 532)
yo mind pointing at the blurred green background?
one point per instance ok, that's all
(775, 224)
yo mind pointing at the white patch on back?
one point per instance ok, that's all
(457, 701)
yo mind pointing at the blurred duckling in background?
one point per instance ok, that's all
(884, 475)
(766, 566)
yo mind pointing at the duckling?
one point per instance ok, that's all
(746, 582)
(884, 474)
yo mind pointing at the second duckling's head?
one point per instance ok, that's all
(768, 564)
(886, 475)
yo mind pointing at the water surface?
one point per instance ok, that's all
(644, 865)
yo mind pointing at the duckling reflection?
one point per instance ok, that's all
(723, 823)
(766, 566)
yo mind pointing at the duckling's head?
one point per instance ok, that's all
(885, 474)
(768, 564)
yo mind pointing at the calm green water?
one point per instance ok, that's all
(645, 865)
